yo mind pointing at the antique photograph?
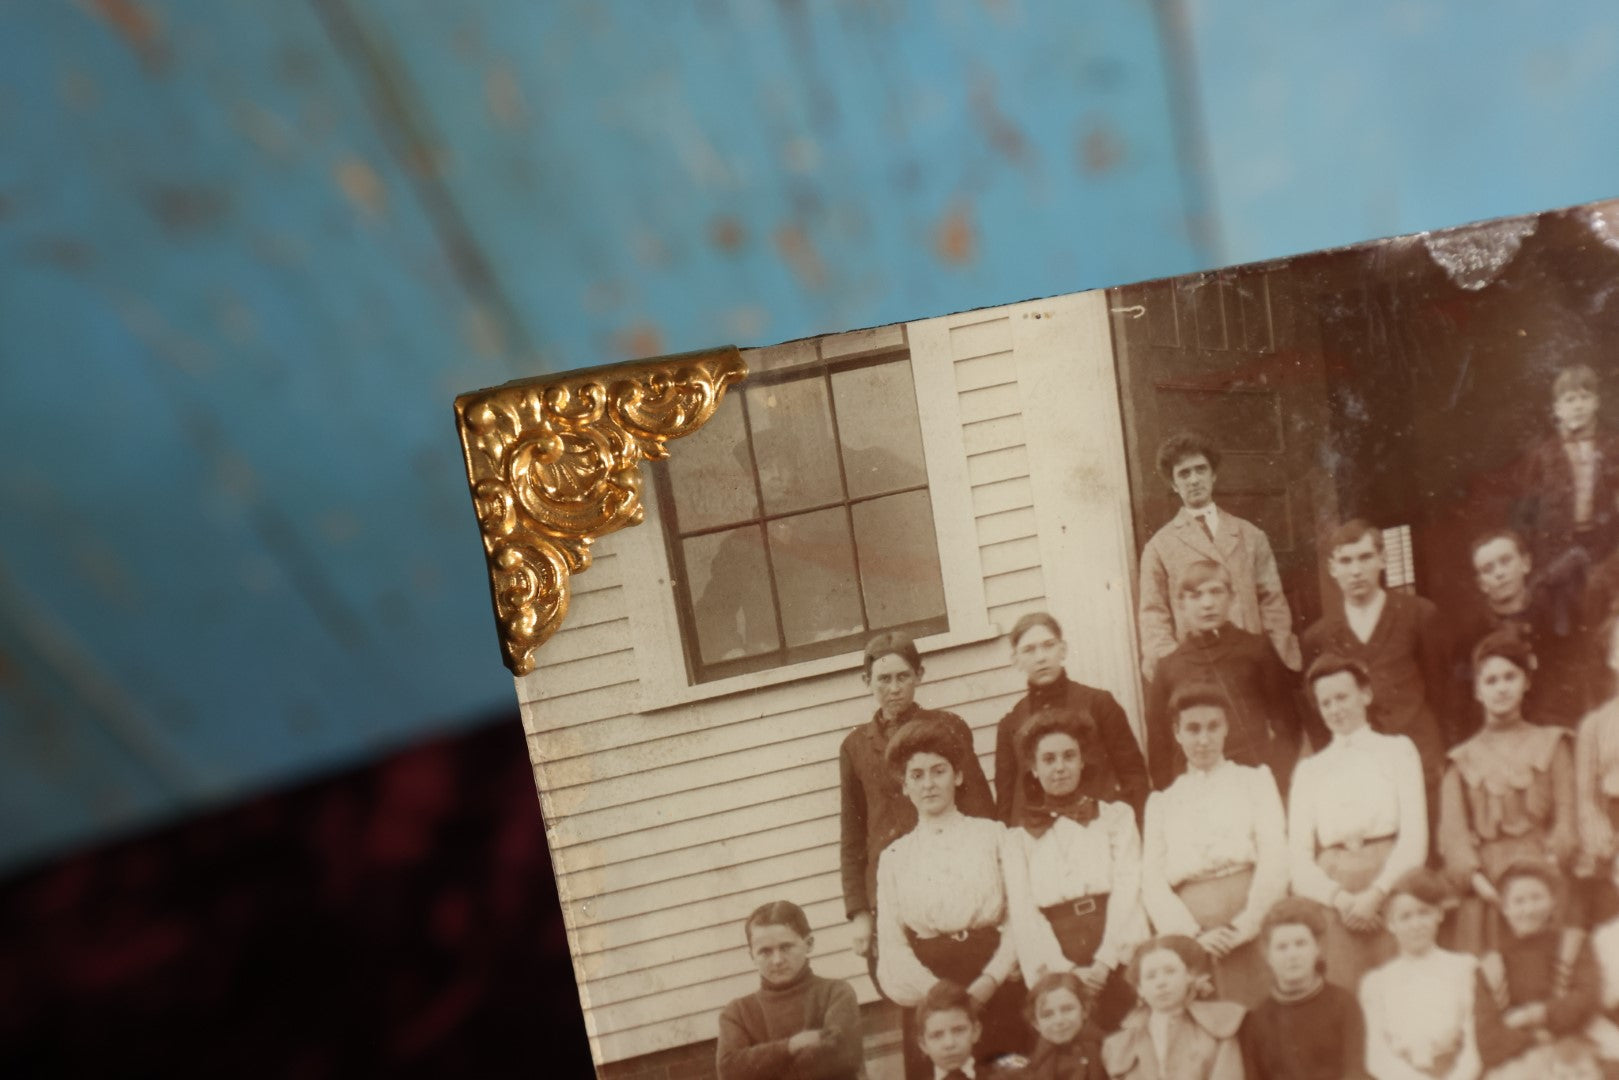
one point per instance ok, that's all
(1191, 680)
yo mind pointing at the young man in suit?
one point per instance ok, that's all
(1397, 637)
(1203, 531)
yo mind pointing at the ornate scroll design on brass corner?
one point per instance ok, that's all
(554, 463)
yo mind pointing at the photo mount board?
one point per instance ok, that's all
(686, 685)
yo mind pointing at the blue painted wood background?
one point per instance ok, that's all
(249, 252)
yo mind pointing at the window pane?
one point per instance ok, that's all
(899, 559)
(882, 438)
(730, 591)
(712, 475)
(815, 577)
(792, 436)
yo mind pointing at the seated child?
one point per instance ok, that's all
(947, 1029)
(1542, 983)
(1419, 1006)
(1070, 1047)
(1174, 1033)
(796, 1024)
(1308, 1029)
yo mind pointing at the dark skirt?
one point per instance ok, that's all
(1078, 926)
(960, 958)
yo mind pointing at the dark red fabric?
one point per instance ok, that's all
(398, 919)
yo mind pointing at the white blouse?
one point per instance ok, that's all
(1419, 1010)
(942, 877)
(1206, 824)
(1359, 787)
(1069, 861)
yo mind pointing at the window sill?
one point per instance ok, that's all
(670, 695)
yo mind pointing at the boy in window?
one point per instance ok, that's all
(1203, 531)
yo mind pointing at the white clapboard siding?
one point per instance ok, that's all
(671, 816)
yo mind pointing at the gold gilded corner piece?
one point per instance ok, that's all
(554, 463)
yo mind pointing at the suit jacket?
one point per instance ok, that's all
(1257, 603)
(1265, 724)
(1114, 768)
(1543, 499)
(1202, 1046)
(875, 811)
(1408, 656)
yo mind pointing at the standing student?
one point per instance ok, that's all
(1073, 870)
(1264, 723)
(1200, 531)
(1545, 612)
(1566, 485)
(941, 904)
(1508, 794)
(1396, 637)
(1215, 853)
(1357, 819)
(797, 1025)
(1115, 770)
(1308, 1028)
(1421, 1006)
(875, 811)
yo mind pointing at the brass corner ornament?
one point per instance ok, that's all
(554, 463)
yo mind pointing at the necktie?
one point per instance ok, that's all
(1203, 520)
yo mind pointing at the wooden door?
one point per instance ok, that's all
(1235, 355)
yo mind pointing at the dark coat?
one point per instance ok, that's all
(1115, 771)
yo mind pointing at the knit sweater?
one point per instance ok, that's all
(754, 1032)
(1321, 1036)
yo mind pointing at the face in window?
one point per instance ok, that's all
(1039, 654)
(1357, 568)
(948, 1037)
(893, 683)
(1206, 605)
(1201, 732)
(930, 783)
(1193, 479)
(1503, 574)
(1057, 764)
(1343, 702)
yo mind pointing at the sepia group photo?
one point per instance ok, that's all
(1196, 680)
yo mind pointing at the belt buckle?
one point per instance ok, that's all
(960, 935)
(1085, 905)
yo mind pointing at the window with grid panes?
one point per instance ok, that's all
(800, 524)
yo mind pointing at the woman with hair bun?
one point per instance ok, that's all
(941, 905)
(875, 812)
(1073, 869)
(1508, 792)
